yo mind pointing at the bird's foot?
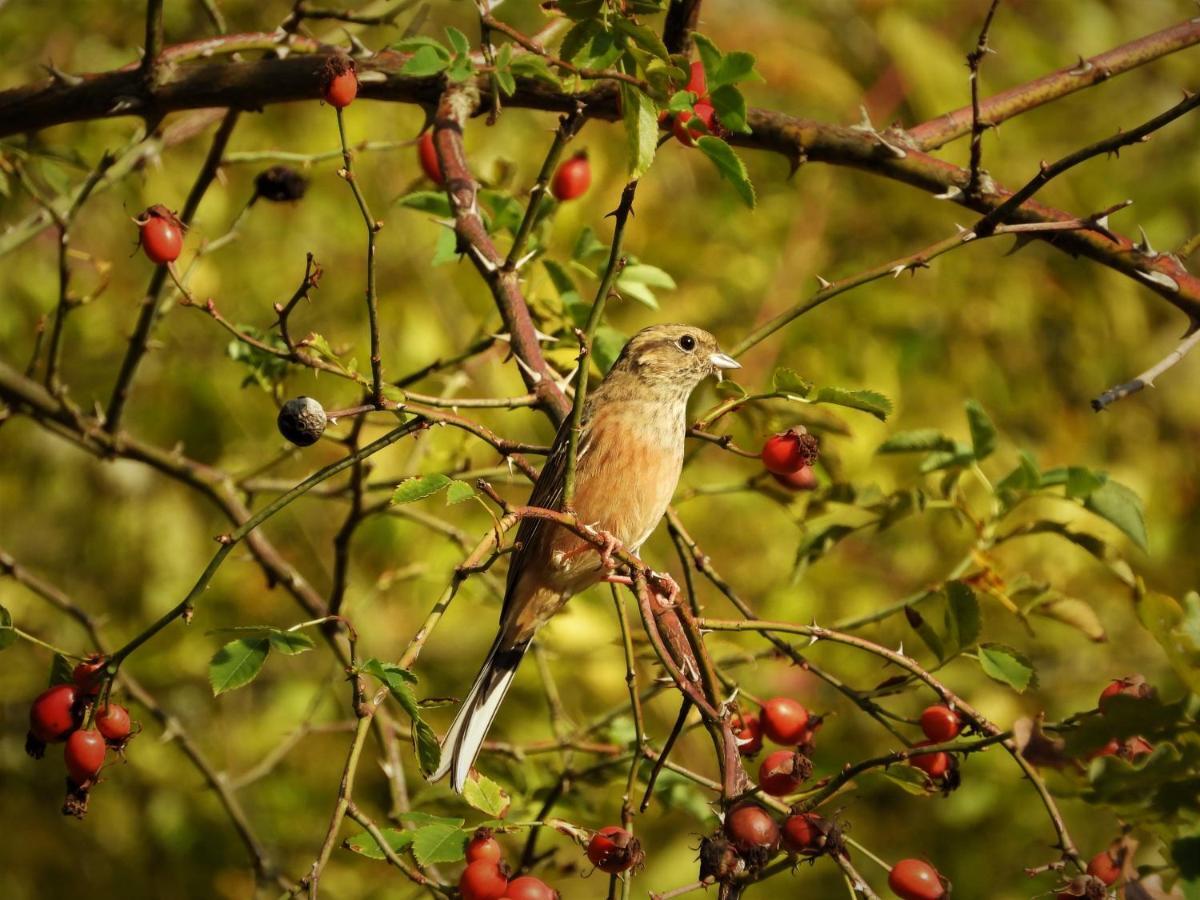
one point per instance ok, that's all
(609, 544)
(613, 578)
(665, 588)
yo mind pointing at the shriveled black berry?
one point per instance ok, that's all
(280, 184)
(301, 421)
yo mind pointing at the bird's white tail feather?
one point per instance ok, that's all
(462, 742)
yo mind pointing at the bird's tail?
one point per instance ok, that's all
(461, 745)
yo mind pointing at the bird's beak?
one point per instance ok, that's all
(723, 361)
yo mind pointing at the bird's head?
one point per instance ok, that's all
(671, 359)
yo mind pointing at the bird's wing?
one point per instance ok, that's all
(547, 494)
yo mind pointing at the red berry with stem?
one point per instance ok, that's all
(160, 234)
(482, 880)
(483, 846)
(529, 888)
(89, 675)
(688, 125)
(784, 720)
(803, 833)
(613, 850)
(782, 772)
(341, 82)
(84, 754)
(113, 722)
(1104, 867)
(752, 829)
(747, 730)
(940, 723)
(803, 479)
(1131, 686)
(427, 156)
(52, 717)
(915, 879)
(697, 81)
(789, 451)
(935, 765)
(572, 178)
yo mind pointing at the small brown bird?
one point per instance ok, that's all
(628, 460)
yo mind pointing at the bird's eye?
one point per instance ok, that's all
(687, 342)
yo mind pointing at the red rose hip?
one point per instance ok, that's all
(784, 720)
(915, 879)
(572, 178)
(529, 888)
(483, 846)
(84, 755)
(341, 83)
(160, 234)
(482, 880)
(113, 722)
(781, 773)
(747, 730)
(428, 158)
(803, 479)
(752, 829)
(789, 451)
(802, 833)
(935, 765)
(89, 675)
(940, 723)
(613, 850)
(52, 716)
(1104, 867)
(687, 125)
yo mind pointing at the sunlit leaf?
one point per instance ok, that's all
(641, 129)
(420, 487)
(486, 796)
(424, 62)
(439, 844)
(789, 381)
(1120, 506)
(915, 441)
(868, 401)
(1006, 665)
(237, 664)
(458, 492)
(729, 164)
(365, 845)
(983, 432)
(290, 642)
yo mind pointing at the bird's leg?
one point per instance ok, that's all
(612, 578)
(609, 544)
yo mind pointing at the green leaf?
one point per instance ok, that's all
(729, 164)
(433, 202)
(1006, 665)
(237, 664)
(607, 347)
(736, 65)
(1121, 506)
(399, 681)
(458, 492)
(1176, 627)
(983, 432)
(1025, 477)
(508, 84)
(530, 65)
(420, 487)
(8, 637)
(641, 129)
(446, 248)
(589, 46)
(486, 796)
(868, 401)
(458, 40)
(292, 643)
(439, 844)
(644, 37)
(638, 292)
(1073, 612)
(1082, 482)
(963, 623)
(424, 62)
(365, 845)
(710, 56)
(909, 778)
(916, 441)
(961, 455)
(788, 381)
(730, 107)
(461, 68)
(416, 42)
(643, 273)
(62, 670)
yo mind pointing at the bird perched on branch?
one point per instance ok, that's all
(629, 456)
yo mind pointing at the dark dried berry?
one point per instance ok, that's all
(718, 859)
(280, 184)
(302, 421)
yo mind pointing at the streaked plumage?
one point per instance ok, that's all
(628, 463)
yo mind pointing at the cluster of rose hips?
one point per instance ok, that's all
(71, 714)
(940, 724)
(789, 457)
(688, 125)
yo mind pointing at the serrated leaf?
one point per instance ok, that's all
(486, 796)
(365, 845)
(789, 381)
(730, 107)
(1082, 482)
(736, 65)
(399, 681)
(641, 129)
(424, 62)
(1006, 665)
(416, 42)
(983, 432)
(62, 670)
(458, 492)
(433, 202)
(908, 778)
(8, 637)
(638, 292)
(420, 818)
(1121, 506)
(963, 622)
(508, 84)
(710, 56)
(961, 455)
(292, 643)
(439, 844)
(589, 46)
(530, 65)
(643, 273)
(868, 401)
(916, 441)
(729, 164)
(419, 487)
(461, 68)
(729, 388)
(237, 664)
(644, 37)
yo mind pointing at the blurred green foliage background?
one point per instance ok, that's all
(1033, 336)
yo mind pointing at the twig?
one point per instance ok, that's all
(1146, 379)
(568, 127)
(491, 22)
(978, 125)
